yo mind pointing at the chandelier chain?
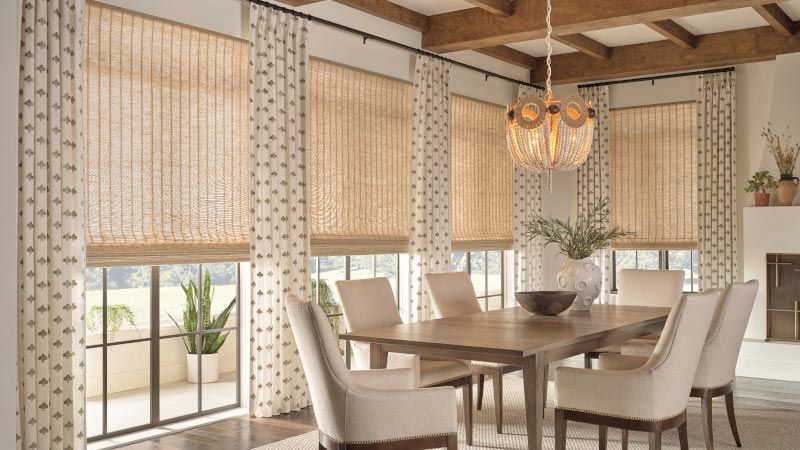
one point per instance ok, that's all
(549, 44)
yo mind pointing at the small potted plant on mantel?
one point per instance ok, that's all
(759, 185)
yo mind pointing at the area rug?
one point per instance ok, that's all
(760, 428)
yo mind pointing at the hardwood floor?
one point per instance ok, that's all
(244, 433)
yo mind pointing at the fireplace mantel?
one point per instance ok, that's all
(766, 230)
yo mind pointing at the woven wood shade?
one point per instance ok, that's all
(166, 141)
(481, 176)
(654, 175)
(360, 143)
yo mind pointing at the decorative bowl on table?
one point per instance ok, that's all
(546, 303)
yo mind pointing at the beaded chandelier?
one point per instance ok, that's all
(548, 134)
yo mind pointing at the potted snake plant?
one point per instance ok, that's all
(210, 343)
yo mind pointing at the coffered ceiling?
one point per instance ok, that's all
(600, 39)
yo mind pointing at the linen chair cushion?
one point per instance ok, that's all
(721, 351)
(452, 294)
(655, 391)
(370, 303)
(360, 407)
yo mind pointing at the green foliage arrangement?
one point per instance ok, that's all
(118, 315)
(578, 241)
(761, 182)
(211, 342)
(328, 304)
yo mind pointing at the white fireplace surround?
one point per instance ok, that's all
(767, 230)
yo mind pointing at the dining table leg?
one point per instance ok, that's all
(533, 378)
(377, 356)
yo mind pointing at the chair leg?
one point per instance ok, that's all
(603, 437)
(655, 440)
(732, 418)
(624, 439)
(466, 391)
(497, 382)
(587, 361)
(452, 442)
(544, 387)
(481, 379)
(561, 430)
(706, 413)
(683, 436)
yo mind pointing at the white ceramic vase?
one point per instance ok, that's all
(584, 277)
(210, 368)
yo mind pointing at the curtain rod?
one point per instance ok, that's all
(369, 36)
(658, 77)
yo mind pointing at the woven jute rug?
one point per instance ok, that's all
(761, 428)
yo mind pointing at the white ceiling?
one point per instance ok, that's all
(627, 35)
(735, 19)
(431, 7)
(538, 47)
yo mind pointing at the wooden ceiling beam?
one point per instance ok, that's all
(674, 32)
(474, 27)
(585, 44)
(499, 7)
(777, 18)
(713, 50)
(391, 12)
(510, 55)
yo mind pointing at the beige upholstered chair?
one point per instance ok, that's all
(366, 407)
(369, 304)
(452, 295)
(717, 369)
(649, 398)
(637, 287)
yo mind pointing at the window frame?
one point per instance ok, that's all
(155, 338)
(663, 264)
(484, 299)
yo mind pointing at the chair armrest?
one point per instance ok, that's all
(621, 393)
(379, 415)
(611, 361)
(387, 379)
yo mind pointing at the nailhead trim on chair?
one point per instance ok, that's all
(404, 438)
(586, 411)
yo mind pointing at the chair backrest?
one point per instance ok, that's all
(367, 304)
(325, 371)
(649, 287)
(677, 353)
(452, 294)
(721, 352)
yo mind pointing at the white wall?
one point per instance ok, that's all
(9, 80)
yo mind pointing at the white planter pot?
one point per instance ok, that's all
(210, 368)
(584, 277)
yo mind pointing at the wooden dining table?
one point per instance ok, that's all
(515, 336)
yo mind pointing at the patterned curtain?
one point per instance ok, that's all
(716, 179)
(430, 237)
(594, 176)
(50, 290)
(527, 203)
(279, 240)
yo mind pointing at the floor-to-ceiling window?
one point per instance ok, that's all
(166, 178)
(488, 274)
